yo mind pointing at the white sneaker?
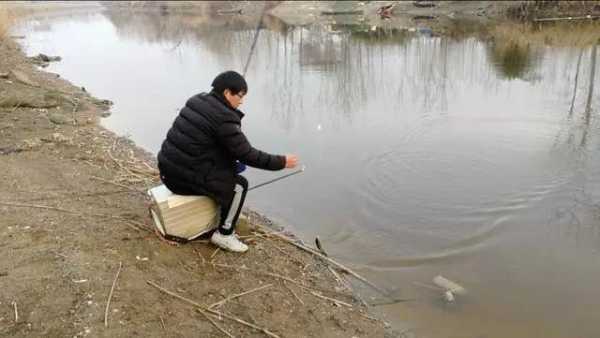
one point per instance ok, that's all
(228, 242)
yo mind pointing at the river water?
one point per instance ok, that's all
(425, 155)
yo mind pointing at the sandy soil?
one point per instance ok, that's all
(73, 208)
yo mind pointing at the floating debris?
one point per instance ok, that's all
(451, 288)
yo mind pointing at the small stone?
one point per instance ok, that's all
(4, 75)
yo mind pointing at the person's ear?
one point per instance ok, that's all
(227, 92)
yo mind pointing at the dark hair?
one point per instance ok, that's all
(230, 80)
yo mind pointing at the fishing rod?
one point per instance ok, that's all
(256, 33)
(250, 53)
(278, 178)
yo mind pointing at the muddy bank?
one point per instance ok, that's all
(73, 207)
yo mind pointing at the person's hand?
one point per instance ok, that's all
(291, 161)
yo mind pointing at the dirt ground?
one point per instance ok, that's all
(73, 208)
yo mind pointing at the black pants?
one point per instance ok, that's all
(230, 212)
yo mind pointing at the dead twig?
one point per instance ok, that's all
(162, 323)
(286, 253)
(338, 278)
(293, 293)
(130, 171)
(277, 276)
(201, 256)
(327, 259)
(335, 301)
(16, 107)
(220, 303)
(117, 184)
(207, 316)
(138, 225)
(214, 254)
(202, 308)
(14, 304)
(75, 195)
(112, 288)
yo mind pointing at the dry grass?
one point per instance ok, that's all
(553, 8)
(560, 34)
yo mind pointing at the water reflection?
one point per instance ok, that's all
(512, 61)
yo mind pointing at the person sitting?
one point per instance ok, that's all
(205, 150)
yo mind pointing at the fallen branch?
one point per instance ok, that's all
(220, 314)
(327, 259)
(220, 303)
(112, 288)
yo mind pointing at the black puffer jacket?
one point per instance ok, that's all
(198, 156)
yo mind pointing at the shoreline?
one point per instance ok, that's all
(74, 208)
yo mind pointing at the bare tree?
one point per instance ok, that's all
(576, 80)
(588, 105)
